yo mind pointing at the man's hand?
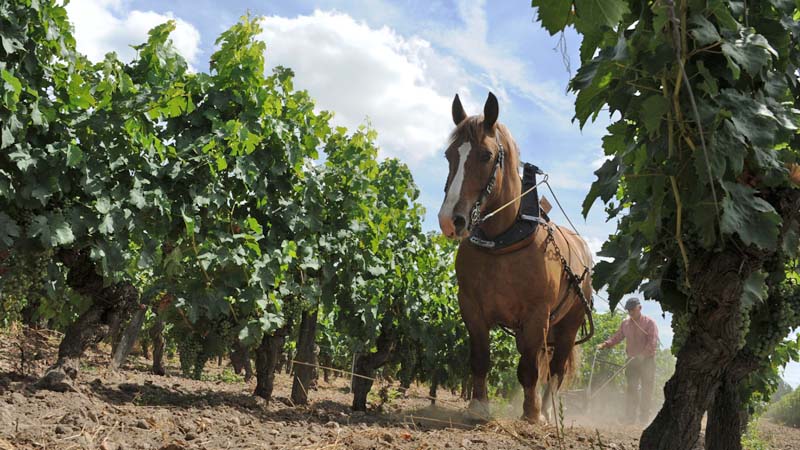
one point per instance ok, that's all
(601, 346)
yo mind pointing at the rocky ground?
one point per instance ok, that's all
(133, 409)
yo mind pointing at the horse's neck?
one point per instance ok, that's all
(509, 190)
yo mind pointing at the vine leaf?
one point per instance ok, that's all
(601, 12)
(605, 186)
(52, 230)
(10, 229)
(703, 31)
(754, 289)
(750, 52)
(653, 110)
(751, 217)
(554, 14)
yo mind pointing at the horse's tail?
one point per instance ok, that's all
(572, 365)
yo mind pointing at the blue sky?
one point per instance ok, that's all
(397, 65)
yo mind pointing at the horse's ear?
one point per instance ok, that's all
(490, 112)
(458, 111)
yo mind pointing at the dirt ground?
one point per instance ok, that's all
(133, 409)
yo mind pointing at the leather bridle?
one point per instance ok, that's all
(475, 218)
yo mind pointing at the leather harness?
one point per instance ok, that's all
(523, 232)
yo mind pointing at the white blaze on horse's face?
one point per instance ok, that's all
(446, 222)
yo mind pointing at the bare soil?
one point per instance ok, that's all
(134, 409)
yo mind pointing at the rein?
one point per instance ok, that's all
(510, 202)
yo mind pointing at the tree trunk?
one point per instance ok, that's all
(466, 388)
(287, 358)
(306, 343)
(240, 359)
(325, 360)
(110, 306)
(266, 359)
(727, 419)
(127, 340)
(728, 416)
(716, 281)
(145, 348)
(157, 336)
(407, 370)
(433, 388)
(366, 364)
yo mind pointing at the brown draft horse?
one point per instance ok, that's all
(518, 290)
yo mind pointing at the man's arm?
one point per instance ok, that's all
(615, 339)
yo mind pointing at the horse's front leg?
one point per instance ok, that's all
(479, 366)
(530, 341)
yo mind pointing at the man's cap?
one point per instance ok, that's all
(632, 303)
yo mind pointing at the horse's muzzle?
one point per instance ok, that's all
(453, 227)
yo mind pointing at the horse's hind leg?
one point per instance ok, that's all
(562, 335)
(530, 340)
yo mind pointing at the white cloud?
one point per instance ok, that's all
(402, 85)
(501, 68)
(103, 26)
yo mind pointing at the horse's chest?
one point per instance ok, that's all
(504, 286)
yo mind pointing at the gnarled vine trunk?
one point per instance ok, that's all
(266, 359)
(306, 343)
(367, 363)
(110, 306)
(716, 280)
(157, 336)
(240, 359)
(127, 339)
(727, 419)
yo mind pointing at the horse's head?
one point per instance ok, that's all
(473, 158)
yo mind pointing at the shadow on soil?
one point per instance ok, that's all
(280, 408)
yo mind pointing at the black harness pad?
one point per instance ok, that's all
(529, 217)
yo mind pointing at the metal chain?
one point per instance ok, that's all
(575, 281)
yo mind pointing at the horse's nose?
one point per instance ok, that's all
(447, 226)
(459, 222)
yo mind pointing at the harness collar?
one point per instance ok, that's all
(529, 217)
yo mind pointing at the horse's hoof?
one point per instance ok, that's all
(479, 409)
(532, 419)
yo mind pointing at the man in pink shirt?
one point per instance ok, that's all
(641, 334)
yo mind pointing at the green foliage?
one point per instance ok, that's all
(704, 98)
(752, 439)
(657, 163)
(786, 410)
(605, 325)
(206, 191)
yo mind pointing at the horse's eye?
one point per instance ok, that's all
(486, 156)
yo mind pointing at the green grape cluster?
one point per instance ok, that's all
(195, 349)
(680, 328)
(189, 347)
(744, 328)
(781, 318)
